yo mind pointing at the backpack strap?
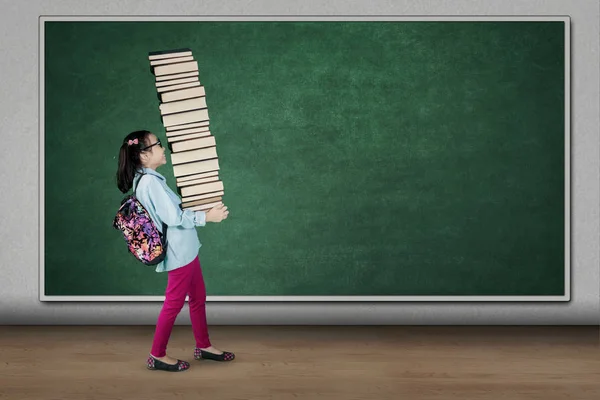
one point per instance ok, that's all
(138, 182)
(164, 226)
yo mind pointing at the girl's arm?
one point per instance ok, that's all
(170, 212)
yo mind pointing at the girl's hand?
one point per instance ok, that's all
(217, 213)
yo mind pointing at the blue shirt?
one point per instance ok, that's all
(163, 205)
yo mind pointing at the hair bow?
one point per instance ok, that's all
(134, 141)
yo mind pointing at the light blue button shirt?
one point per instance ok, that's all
(163, 205)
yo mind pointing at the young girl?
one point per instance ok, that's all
(140, 155)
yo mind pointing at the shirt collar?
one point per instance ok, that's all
(150, 171)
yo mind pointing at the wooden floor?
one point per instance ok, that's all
(100, 362)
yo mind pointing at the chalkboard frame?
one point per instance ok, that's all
(567, 189)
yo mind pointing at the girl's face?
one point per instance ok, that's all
(154, 155)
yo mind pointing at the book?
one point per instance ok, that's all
(182, 105)
(201, 202)
(168, 84)
(197, 167)
(170, 60)
(177, 76)
(178, 68)
(189, 156)
(164, 89)
(186, 126)
(201, 196)
(205, 207)
(196, 176)
(197, 181)
(162, 54)
(185, 117)
(181, 138)
(185, 132)
(191, 144)
(202, 188)
(188, 93)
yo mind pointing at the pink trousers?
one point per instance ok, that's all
(186, 280)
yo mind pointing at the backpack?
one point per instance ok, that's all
(147, 244)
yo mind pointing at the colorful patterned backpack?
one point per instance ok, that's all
(143, 239)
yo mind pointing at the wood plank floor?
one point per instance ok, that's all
(290, 362)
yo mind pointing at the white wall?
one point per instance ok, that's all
(19, 149)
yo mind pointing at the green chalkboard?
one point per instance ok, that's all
(359, 158)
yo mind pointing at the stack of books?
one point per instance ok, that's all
(184, 115)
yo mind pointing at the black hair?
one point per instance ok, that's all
(129, 158)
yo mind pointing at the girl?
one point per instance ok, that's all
(140, 155)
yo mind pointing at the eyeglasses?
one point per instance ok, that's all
(157, 143)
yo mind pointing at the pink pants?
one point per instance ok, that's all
(186, 280)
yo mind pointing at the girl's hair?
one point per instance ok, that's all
(129, 158)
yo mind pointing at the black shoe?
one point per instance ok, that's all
(201, 354)
(154, 364)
